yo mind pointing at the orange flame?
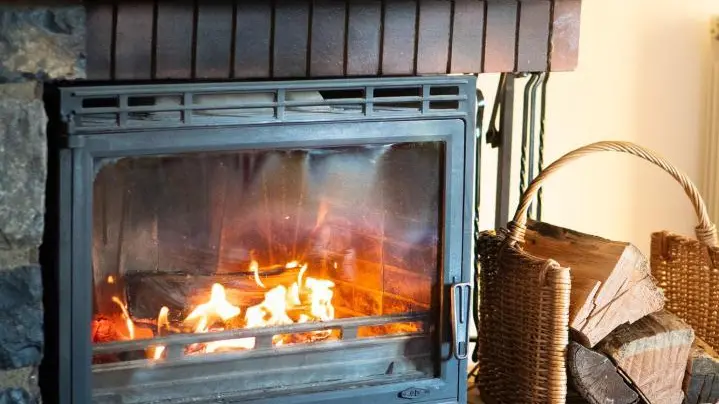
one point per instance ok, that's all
(320, 293)
(128, 321)
(218, 306)
(310, 295)
(255, 268)
(162, 324)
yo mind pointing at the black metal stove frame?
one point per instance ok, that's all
(442, 109)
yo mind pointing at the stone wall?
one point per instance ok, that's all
(36, 45)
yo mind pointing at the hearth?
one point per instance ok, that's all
(286, 241)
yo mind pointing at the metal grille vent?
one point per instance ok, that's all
(122, 108)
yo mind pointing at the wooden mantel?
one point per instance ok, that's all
(156, 40)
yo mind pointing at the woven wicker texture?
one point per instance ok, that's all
(685, 268)
(524, 300)
(524, 324)
(687, 271)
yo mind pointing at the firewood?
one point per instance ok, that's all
(595, 377)
(652, 353)
(148, 292)
(611, 281)
(104, 330)
(701, 382)
(574, 398)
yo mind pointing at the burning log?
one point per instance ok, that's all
(148, 292)
(701, 382)
(595, 377)
(611, 281)
(653, 354)
(104, 330)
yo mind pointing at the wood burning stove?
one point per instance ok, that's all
(263, 242)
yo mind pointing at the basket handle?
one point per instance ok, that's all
(706, 230)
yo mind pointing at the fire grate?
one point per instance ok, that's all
(175, 344)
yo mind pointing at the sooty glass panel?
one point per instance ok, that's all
(205, 242)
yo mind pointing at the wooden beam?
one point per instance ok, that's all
(99, 44)
(296, 39)
(133, 43)
(399, 37)
(532, 42)
(501, 36)
(467, 33)
(364, 35)
(564, 49)
(435, 19)
(173, 49)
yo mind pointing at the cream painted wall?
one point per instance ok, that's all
(641, 77)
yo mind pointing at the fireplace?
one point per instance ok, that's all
(285, 241)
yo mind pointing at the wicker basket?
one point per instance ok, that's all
(688, 272)
(524, 300)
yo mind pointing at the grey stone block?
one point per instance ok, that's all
(42, 42)
(20, 286)
(23, 378)
(18, 257)
(23, 164)
(21, 317)
(16, 396)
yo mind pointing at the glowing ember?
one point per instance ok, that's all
(110, 279)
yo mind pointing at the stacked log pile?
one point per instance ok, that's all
(626, 348)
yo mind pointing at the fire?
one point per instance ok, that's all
(306, 299)
(320, 292)
(163, 323)
(255, 268)
(216, 308)
(311, 297)
(126, 316)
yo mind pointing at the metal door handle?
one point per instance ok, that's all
(459, 304)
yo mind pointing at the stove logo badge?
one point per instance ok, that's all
(413, 392)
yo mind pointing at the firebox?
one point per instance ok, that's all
(265, 242)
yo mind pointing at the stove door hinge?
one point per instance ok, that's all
(460, 298)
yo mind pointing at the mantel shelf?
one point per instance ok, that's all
(328, 38)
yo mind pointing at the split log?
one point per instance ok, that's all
(701, 382)
(595, 377)
(611, 280)
(573, 397)
(653, 354)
